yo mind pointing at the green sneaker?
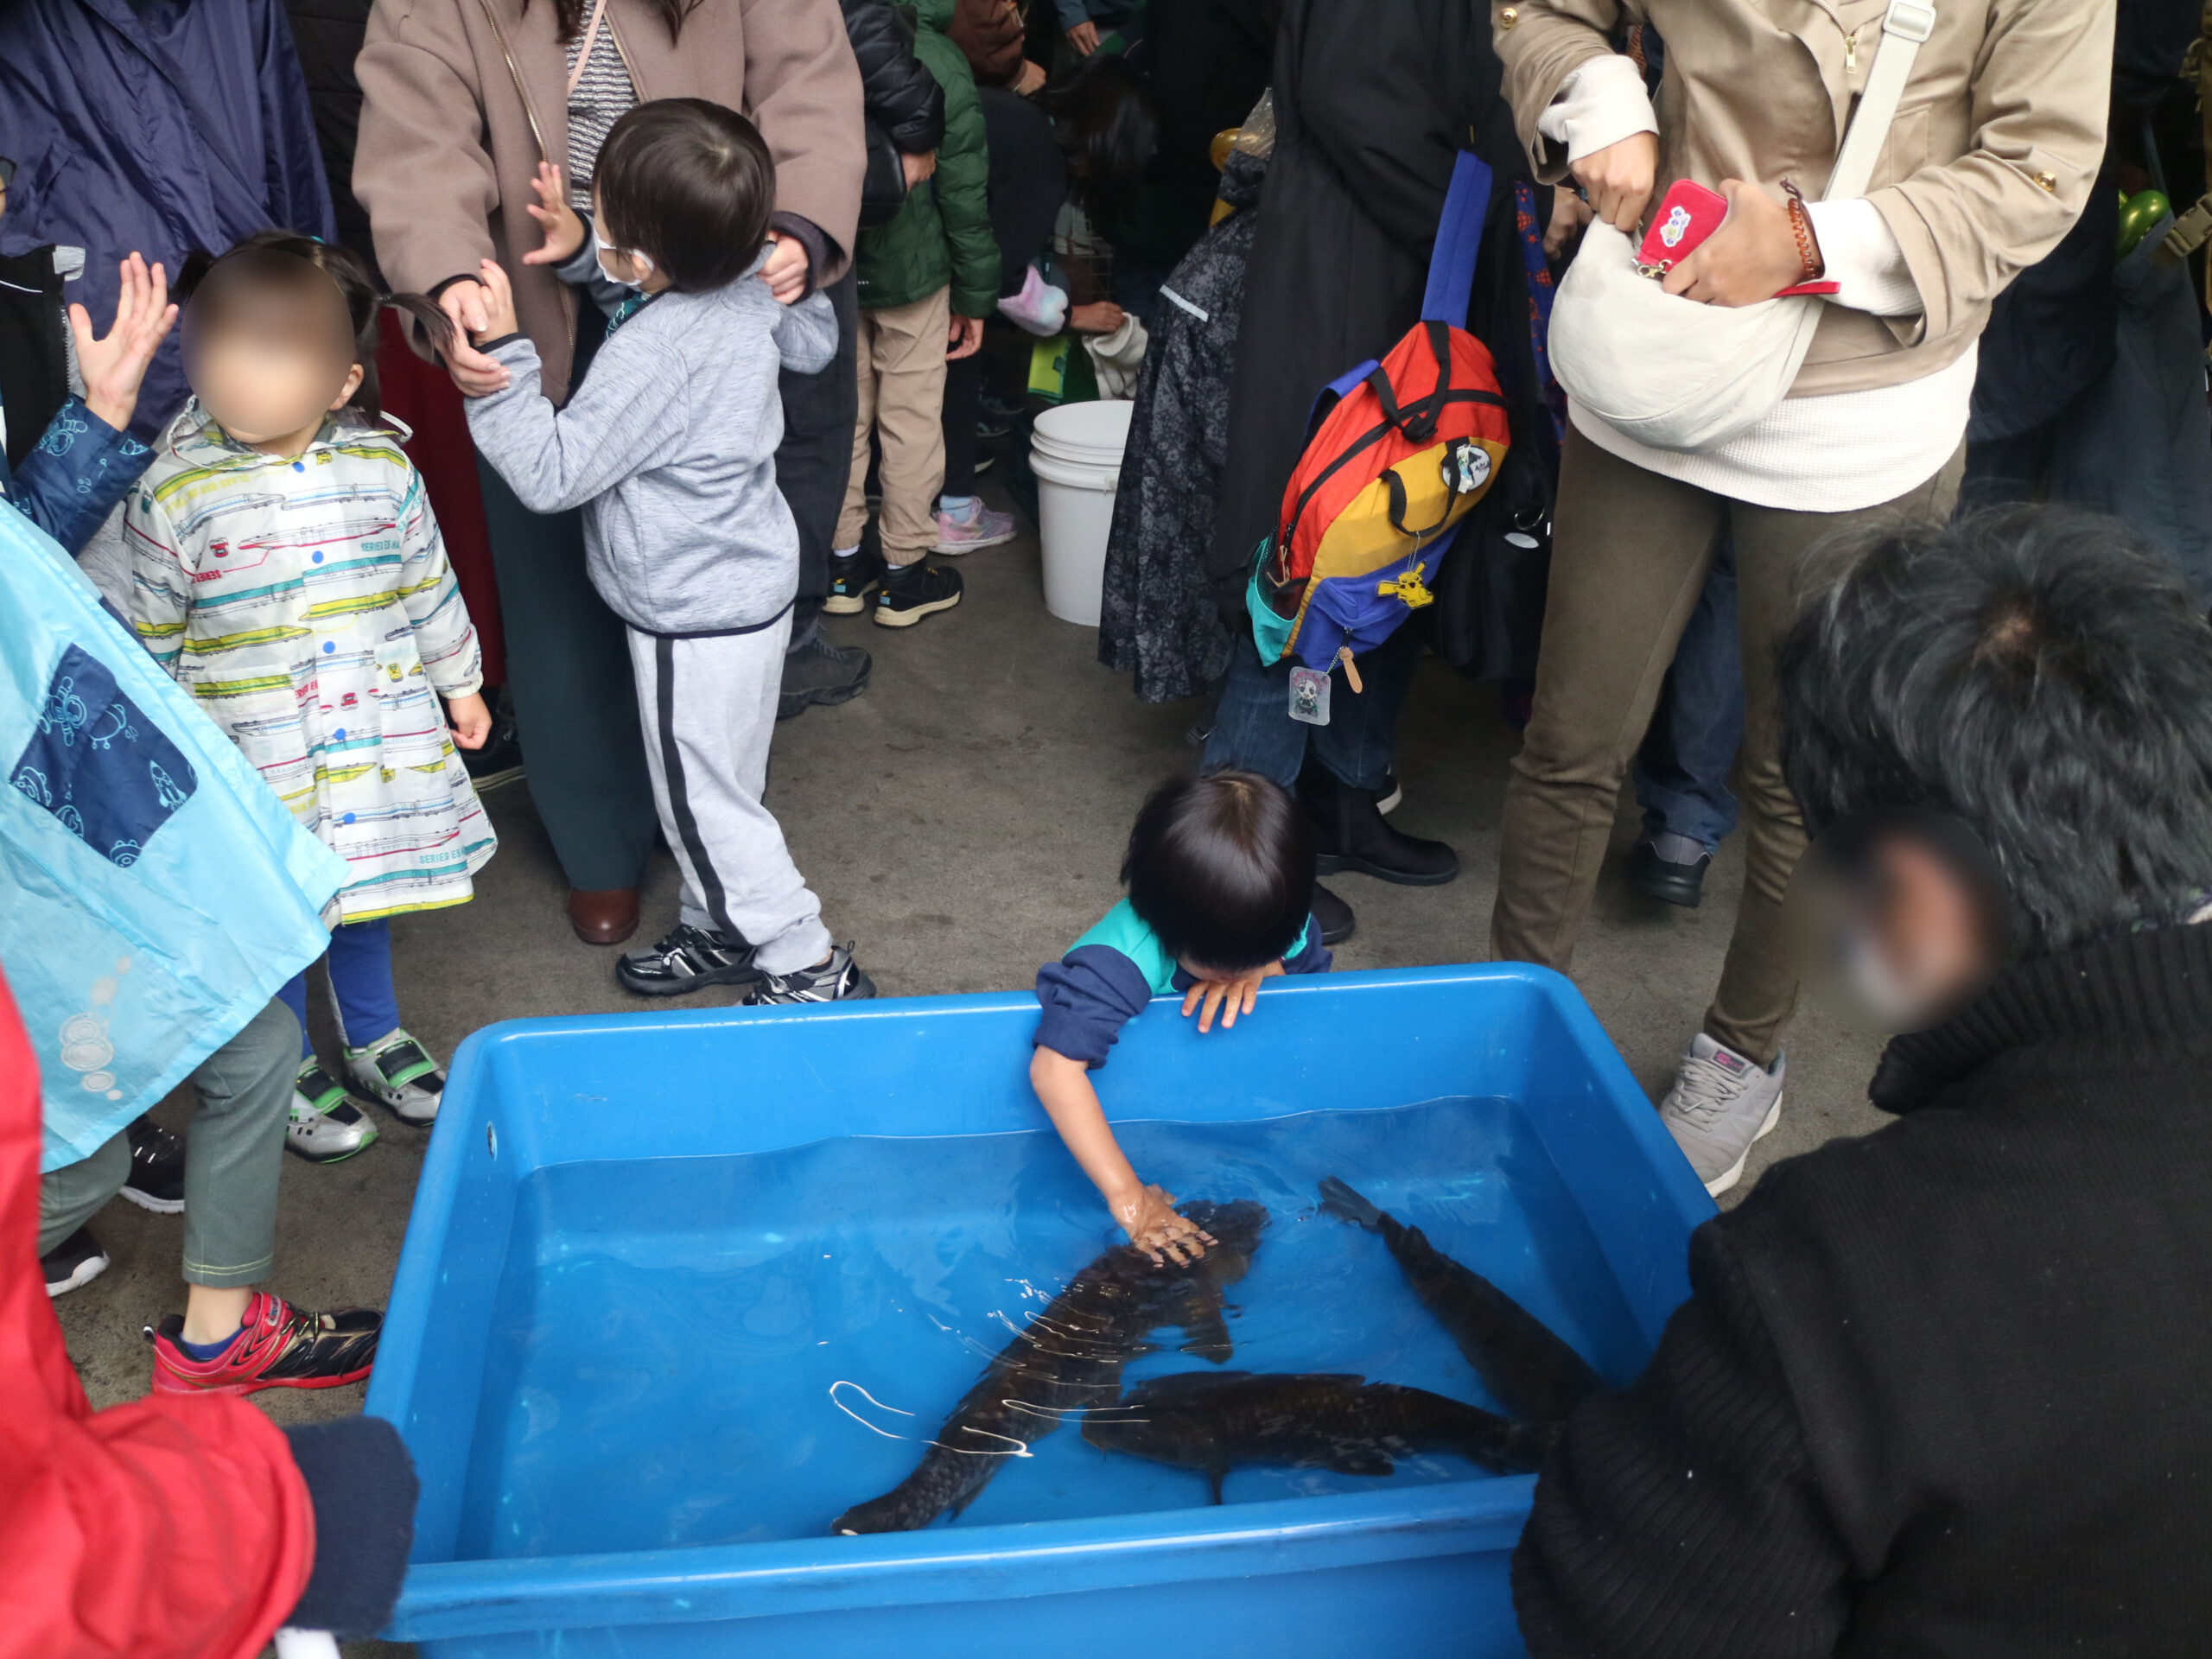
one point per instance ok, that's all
(325, 1125)
(398, 1072)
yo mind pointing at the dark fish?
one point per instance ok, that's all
(1531, 1372)
(1069, 1358)
(1215, 1421)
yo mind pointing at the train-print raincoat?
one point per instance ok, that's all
(308, 604)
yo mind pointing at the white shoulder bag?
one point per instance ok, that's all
(1677, 374)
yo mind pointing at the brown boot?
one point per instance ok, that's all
(607, 916)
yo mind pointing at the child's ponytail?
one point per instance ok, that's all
(363, 299)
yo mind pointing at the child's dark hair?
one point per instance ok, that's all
(260, 259)
(1107, 123)
(1221, 868)
(690, 185)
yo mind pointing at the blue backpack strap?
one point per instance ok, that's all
(1459, 240)
(1334, 393)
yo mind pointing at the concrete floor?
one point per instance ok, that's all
(963, 822)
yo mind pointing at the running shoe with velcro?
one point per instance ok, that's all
(325, 1124)
(689, 959)
(279, 1346)
(156, 1178)
(399, 1073)
(838, 979)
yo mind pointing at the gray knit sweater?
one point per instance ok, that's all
(669, 446)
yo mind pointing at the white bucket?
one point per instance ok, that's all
(1076, 451)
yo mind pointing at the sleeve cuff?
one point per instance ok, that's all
(1861, 255)
(1600, 103)
(810, 235)
(439, 288)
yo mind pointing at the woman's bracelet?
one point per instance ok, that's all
(1800, 225)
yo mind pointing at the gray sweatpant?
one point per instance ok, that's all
(708, 705)
(234, 1152)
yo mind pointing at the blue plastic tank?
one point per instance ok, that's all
(679, 1288)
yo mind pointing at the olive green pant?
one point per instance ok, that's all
(234, 1153)
(1629, 554)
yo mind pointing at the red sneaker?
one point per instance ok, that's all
(280, 1347)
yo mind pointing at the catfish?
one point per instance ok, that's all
(1068, 1359)
(1215, 1421)
(1527, 1368)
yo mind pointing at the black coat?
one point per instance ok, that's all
(327, 35)
(1941, 1391)
(897, 92)
(1372, 103)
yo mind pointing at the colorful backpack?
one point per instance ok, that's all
(1396, 453)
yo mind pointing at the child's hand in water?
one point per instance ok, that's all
(1231, 997)
(563, 227)
(470, 719)
(1150, 1219)
(498, 300)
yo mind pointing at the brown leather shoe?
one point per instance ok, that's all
(607, 917)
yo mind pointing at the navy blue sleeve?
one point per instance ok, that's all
(1088, 997)
(70, 483)
(1312, 956)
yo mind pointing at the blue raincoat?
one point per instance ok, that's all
(154, 892)
(153, 126)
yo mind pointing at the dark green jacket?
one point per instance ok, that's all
(943, 235)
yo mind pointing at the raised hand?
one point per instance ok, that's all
(563, 228)
(114, 364)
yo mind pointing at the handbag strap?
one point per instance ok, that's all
(1905, 26)
(1459, 240)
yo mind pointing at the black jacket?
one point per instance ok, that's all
(1940, 1390)
(899, 94)
(1372, 103)
(327, 35)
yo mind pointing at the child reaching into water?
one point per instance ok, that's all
(287, 570)
(1220, 877)
(669, 446)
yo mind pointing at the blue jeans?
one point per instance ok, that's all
(1253, 728)
(360, 976)
(1681, 769)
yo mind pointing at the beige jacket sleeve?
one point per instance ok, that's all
(2039, 102)
(420, 167)
(1542, 43)
(803, 90)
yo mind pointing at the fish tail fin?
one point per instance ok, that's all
(1341, 1201)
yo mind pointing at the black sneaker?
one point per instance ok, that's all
(819, 672)
(851, 576)
(156, 1178)
(838, 979)
(73, 1263)
(689, 959)
(992, 426)
(911, 592)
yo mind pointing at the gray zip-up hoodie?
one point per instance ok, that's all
(669, 446)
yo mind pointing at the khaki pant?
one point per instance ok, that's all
(901, 369)
(1629, 554)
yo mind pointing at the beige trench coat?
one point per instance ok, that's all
(461, 98)
(1990, 159)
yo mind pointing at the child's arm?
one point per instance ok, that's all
(806, 333)
(627, 413)
(1146, 1213)
(444, 638)
(161, 581)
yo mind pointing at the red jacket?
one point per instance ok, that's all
(173, 1527)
